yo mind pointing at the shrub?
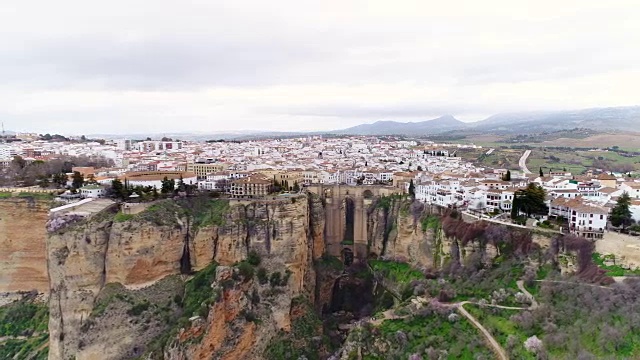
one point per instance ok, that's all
(253, 258)
(255, 297)
(263, 277)
(138, 308)
(122, 217)
(246, 270)
(275, 279)
(177, 299)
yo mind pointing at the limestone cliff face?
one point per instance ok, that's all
(137, 252)
(23, 265)
(76, 259)
(396, 231)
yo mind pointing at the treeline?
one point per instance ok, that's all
(47, 173)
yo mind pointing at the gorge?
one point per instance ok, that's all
(276, 278)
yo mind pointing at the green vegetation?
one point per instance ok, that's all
(161, 213)
(253, 258)
(328, 261)
(530, 200)
(32, 348)
(28, 318)
(39, 196)
(5, 194)
(276, 279)
(198, 291)
(23, 318)
(432, 333)
(497, 282)
(212, 212)
(430, 222)
(302, 341)
(385, 202)
(612, 270)
(506, 331)
(246, 270)
(263, 276)
(620, 214)
(138, 308)
(398, 272)
(122, 217)
(581, 321)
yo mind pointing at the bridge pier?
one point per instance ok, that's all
(336, 197)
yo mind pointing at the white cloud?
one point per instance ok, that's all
(131, 66)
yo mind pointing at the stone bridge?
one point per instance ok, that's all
(346, 217)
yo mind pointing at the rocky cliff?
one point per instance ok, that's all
(412, 232)
(23, 265)
(117, 262)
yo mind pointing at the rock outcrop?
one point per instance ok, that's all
(137, 251)
(23, 255)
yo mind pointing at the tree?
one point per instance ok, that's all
(77, 180)
(296, 187)
(412, 189)
(167, 186)
(507, 176)
(44, 182)
(419, 168)
(531, 200)
(19, 162)
(60, 179)
(181, 185)
(91, 179)
(118, 189)
(541, 173)
(620, 214)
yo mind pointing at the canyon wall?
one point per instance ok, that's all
(117, 281)
(23, 264)
(137, 251)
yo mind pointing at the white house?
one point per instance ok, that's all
(588, 220)
(92, 191)
(632, 188)
(584, 218)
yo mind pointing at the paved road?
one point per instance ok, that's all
(523, 162)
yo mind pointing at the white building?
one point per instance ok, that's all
(92, 191)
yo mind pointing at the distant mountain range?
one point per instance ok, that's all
(614, 118)
(600, 119)
(439, 125)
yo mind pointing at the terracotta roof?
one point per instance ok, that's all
(607, 190)
(605, 176)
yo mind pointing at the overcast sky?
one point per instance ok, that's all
(83, 67)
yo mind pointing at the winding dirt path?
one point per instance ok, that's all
(534, 303)
(459, 306)
(500, 352)
(576, 283)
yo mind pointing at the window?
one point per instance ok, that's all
(601, 217)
